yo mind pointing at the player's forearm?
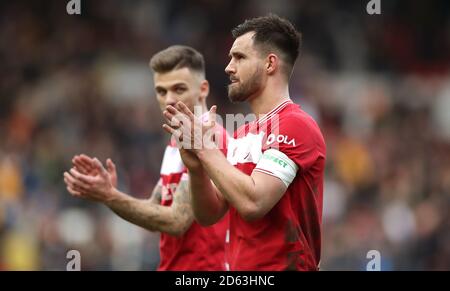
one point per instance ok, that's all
(207, 206)
(236, 187)
(156, 194)
(144, 213)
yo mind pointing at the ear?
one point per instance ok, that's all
(272, 64)
(204, 90)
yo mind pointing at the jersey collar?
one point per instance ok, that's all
(274, 111)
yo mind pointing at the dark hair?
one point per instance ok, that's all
(273, 33)
(177, 57)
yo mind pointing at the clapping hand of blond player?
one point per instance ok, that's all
(90, 180)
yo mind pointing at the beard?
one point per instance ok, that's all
(240, 92)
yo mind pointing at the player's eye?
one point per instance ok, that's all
(180, 90)
(239, 57)
(161, 92)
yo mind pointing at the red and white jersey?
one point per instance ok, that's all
(199, 248)
(285, 143)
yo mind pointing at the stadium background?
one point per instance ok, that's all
(378, 85)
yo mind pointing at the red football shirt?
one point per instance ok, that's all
(200, 248)
(288, 237)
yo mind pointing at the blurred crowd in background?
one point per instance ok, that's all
(378, 85)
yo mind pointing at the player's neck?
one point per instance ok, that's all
(269, 99)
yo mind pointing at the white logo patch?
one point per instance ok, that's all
(280, 139)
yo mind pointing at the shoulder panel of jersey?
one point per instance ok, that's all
(172, 162)
(172, 172)
(247, 145)
(295, 134)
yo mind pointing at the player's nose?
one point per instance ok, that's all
(170, 99)
(230, 69)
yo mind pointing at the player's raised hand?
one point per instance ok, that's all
(97, 188)
(111, 168)
(212, 117)
(190, 131)
(212, 136)
(179, 125)
(190, 160)
(85, 165)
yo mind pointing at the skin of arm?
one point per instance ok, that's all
(149, 214)
(156, 196)
(92, 181)
(252, 196)
(208, 204)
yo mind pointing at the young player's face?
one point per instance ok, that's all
(179, 85)
(246, 69)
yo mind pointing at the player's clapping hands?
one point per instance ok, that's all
(191, 132)
(90, 180)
